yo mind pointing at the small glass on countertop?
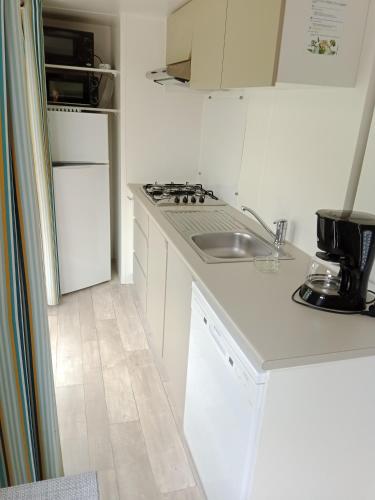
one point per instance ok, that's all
(267, 264)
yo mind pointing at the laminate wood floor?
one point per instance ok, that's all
(114, 414)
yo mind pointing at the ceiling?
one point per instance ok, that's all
(149, 7)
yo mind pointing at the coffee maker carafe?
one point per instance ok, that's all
(338, 281)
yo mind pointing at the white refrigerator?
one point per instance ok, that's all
(80, 156)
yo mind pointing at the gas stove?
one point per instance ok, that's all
(181, 194)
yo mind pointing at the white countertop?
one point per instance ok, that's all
(256, 307)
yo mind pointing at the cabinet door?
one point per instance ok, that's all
(156, 274)
(252, 42)
(177, 328)
(140, 247)
(208, 43)
(140, 283)
(180, 34)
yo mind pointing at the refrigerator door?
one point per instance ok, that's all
(83, 225)
(78, 137)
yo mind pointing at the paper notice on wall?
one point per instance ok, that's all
(326, 26)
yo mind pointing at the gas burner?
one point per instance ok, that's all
(180, 194)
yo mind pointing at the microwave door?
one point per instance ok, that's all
(67, 91)
(72, 88)
(68, 47)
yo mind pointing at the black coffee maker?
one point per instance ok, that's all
(347, 243)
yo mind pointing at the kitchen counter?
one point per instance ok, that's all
(272, 330)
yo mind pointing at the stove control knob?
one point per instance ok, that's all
(185, 199)
(201, 199)
(193, 199)
(177, 199)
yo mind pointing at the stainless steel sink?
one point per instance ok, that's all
(218, 237)
(232, 246)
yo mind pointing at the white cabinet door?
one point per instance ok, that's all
(177, 328)
(78, 137)
(208, 44)
(140, 283)
(180, 34)
(156, 273)
(140, 247)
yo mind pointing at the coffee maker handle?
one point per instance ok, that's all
(345, 278)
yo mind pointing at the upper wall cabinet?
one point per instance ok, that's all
(252, 40)
(233, 43)
(180, 34)
(208, 43)
(254, 43)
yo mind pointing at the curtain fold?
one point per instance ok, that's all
(29, 439)
(37, 103)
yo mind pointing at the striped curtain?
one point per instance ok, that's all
(37, 102)
(29, 440)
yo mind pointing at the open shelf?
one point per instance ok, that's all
(113, 72)
(77, 109)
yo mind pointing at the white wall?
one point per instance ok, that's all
(222, 143)
(298, 155)
(299, 148)
(162, 131)
(160, 126)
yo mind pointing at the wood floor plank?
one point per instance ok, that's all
(102, 302)
(69, 347)
(69, 370)
(90, 354)
(108, 485)
(71, 402)
(136, 359)
(86, 314)
(167, 455)
(134, 474)
(75, 455)
(119, 394)
(99, 442)
(131, 330)
(187, 494)
(100, 450)
(110, 345)
(73, 429)
(71, 411)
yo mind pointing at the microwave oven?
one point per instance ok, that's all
(68, 47)
(72, 88)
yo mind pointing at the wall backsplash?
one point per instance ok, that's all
(222, 143)
(298, 154)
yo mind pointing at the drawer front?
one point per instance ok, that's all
(140, 247)
(140, 283)
(141, 216)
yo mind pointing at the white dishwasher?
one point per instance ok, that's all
(222, 408)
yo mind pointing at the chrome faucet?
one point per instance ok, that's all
(281, 227)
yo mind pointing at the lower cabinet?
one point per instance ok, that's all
(140, 282)
(176, 328)
(165, 295)
(156, 278)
